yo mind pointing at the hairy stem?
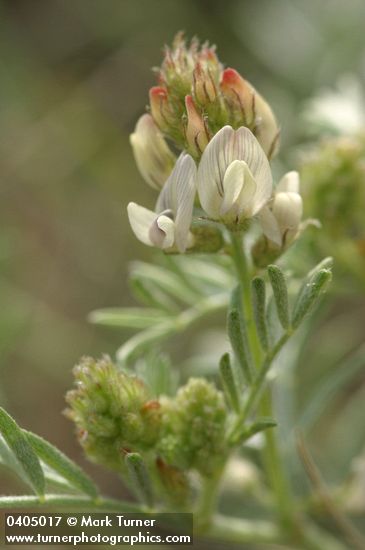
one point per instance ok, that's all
(208, 500)
(272, 461)
(70, 502)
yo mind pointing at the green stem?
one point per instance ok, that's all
(254, 532)
(208, 500)
(258, 385)
(272, 462)
(244, 279)
(242, 531)
(70, 502)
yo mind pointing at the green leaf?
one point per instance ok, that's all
(310, 294)
(139, 477)
(23, 452)
(278, 283)
(207, 275)
(229, 383)
(236, 326)
(133, 317)
(249, 431)
(142, 341)
(258, 292)
(325, 392)
(166, 280)
(239, 342)
(327, 263)
(147, 293)
(59, 462)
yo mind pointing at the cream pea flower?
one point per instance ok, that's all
(169, 226)
(234, 176)
(281, 221)
(153, 157)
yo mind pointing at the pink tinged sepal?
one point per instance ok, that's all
(160, 108)
(240, 92)
(255, 111)
(196, 131)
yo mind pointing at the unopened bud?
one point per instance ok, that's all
(112, 411)
(204, 88)
(252, 110)
(239, 93)
(266, 127)
(160, 108)
(196, 132)
(194, 428)
(153, 157)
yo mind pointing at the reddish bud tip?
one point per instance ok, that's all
(231, 77)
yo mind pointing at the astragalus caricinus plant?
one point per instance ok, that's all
(219, 220)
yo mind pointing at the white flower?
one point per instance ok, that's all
(169, 225)
(340, 110)
(281, 221)
(153, 157)
(234, 176)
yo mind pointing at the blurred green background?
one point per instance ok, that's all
(74, 78)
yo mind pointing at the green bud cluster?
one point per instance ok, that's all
(334, 187)
(194, 428)
(113, 412)
(115, 415)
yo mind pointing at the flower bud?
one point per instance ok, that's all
(248, 108)
(160, 108)
(240, 94)
(266, 127)
(175, 483)
(280, 221)
(193, 436)
(196, 133)
(112, 412)
(153, 157)
(205, 91)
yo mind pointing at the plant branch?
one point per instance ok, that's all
(353, 536)
(70, 502)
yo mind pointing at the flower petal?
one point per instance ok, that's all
(162, 231)
(213, 165)
(270, 226)
(225, 147)
(185, 191)
(141, 219)
(288, 209)
(151, 152)
(289, 182)
(251, 151)
(178, 195)
(239, 190)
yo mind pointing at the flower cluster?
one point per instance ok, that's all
(227, 133)
(196, 97)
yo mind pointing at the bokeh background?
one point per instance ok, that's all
(74, 79)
